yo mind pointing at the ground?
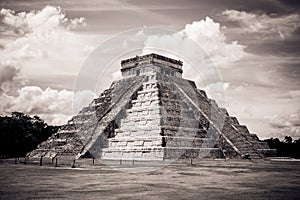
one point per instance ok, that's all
(206, 179)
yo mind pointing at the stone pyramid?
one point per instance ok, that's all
(152, 113)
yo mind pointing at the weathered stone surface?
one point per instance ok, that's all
(153, 114)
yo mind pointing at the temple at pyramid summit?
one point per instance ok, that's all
(152, 113)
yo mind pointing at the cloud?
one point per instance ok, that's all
(41, 33)
(35, 101)
(42, 38)
(53, 105)
(41, 21)
(287, 125)
(208, 35)
(267, 26)
(292, 120)
(7, 75)
(39, 43)
(295, 93)
(76, 22)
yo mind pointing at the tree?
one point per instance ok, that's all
(288, 139)
(21, 133)
(285, 148)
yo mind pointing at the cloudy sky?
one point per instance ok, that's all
(254, 44)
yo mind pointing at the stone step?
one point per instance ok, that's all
(167, 127)
(85, 122)
(190, 143)
(224, 111)
(144, 108)
(239, 140)
(86, 114)
(260, 145)
(131, 143)
(235, 136)
(189, 124)
(149, 99)
(138, 124)
(150, 83)
(152, 115)
(156, 129)
(157, 120)
(247, 149)
(160, 153)
(171, 131)
(90, 108)
(242, 129)
(169, 100)
(158, 133)
(154, 148)
(150, 138)
(145, 91)
(146, 117)
(141, 104)
(160, 130)
(232, 120)
(141, 133)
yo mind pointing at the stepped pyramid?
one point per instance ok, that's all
(152, 113)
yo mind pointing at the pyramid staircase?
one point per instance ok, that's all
(158, 125)
(153, 114)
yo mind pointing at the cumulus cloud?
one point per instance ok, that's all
(268, 25)
(44, 42)
(40, 34)
(41, 40)
(24, 23)
(287, 125)
(33, 100)
(41, 21)
(207, 34)
(76, 22)
(53, 105)
(292, 120)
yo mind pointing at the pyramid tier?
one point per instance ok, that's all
(153, 113)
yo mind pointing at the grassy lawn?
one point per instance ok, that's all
(234, 179)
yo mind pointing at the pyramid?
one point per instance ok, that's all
(152, 113)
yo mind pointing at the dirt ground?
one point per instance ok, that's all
(206, 179)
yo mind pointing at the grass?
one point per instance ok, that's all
(207, 179)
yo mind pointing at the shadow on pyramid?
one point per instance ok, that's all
(152, 113)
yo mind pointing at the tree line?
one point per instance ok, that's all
(20, 134)
(286, 147)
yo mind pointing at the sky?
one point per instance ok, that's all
(255, 46)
